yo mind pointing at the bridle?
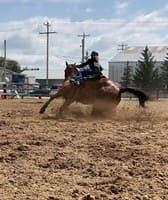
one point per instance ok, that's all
(70, 71)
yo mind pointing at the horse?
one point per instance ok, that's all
(103, 94)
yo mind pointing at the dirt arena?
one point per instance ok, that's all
(124, 157)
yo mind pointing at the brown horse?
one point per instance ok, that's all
(102, 94)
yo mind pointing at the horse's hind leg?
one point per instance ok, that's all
(103, 109)
(96, 111)
(64, 106)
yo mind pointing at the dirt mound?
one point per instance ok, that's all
(124, 156)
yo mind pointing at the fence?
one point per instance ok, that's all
(22, 89)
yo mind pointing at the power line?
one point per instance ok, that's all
(47, 24)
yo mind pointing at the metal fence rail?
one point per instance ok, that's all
(24, 89)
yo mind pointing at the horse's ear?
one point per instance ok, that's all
(67, 64)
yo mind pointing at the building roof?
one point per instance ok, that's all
(134, 54)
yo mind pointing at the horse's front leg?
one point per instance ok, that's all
(43, 108)
(45, 105)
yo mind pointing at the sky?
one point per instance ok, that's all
(109, 23)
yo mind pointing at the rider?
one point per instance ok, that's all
(90, 69)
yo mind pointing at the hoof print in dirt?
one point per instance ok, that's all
(52, 198)
(87, 197)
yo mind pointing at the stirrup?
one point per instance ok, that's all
(75, 82)
(72, 80)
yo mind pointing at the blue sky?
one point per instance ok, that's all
(76, 9)
(109, 23)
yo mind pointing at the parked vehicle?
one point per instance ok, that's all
(44, 92)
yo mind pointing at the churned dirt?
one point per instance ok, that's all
(43, 157)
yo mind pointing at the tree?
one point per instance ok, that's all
(11, 65)
(126, 79)
(1, 61)
(146, 75)
(164, 72)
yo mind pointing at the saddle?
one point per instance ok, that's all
(97, 76)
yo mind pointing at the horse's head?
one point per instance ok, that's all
(70, 71)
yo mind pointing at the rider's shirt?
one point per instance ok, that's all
(98, 66)
(93, 65)
(89, 69)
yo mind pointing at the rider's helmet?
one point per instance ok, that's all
(93, 54)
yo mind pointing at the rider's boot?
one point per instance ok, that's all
(75, 82)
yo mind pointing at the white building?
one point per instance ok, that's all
(132, 55)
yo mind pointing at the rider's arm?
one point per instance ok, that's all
(83, 64)
(101, 68)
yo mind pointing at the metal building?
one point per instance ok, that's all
(132, 55)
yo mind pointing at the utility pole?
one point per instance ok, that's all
(83, 45)
(122, 47)
(47, 24)
(87, 55)
(4, 78)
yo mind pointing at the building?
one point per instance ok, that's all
(9, 76)
(37, 77)
(5, 75)
(51, 82)
(132, 55)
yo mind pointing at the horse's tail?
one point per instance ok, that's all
(141, 95)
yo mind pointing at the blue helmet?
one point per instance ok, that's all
(94, 53)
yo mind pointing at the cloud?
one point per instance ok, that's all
(121, 6)
(28, 47)
(88, 10)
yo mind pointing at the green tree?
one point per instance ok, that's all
(1, 61)
(146, 75)
(11, 65)
(164, 72)
(126, 79)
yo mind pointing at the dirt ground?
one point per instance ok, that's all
(124, 157)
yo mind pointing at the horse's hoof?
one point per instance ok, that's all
(42, 111)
